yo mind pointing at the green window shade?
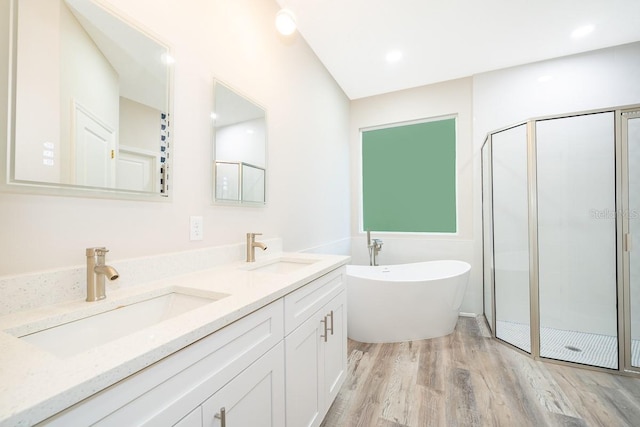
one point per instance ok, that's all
(409, 178)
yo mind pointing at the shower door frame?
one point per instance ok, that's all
(622, 117)
(623, 306)
(489, 199)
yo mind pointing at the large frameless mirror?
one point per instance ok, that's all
(240, 130)
(90, 102)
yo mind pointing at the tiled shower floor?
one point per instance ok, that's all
(572, 346)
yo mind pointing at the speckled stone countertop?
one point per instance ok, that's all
(36, 384)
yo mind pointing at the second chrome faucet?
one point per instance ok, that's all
(252, 245)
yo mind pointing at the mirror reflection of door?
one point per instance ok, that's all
(135, 169)
(95, 147)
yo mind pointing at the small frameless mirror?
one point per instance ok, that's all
(239, 154)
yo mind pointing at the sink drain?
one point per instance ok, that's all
(572, 348)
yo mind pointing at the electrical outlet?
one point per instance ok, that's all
(196, 231)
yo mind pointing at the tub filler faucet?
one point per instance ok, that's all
(375, 246)
(97, 271)
(252, 245)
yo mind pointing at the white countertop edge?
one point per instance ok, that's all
(35, 385)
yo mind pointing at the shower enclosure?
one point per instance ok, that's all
(561, 214)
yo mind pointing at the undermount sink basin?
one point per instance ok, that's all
(281, 265)
(94, 330)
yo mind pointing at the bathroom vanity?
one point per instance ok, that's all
(269, 350)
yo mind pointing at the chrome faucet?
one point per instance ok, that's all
(252, 245)
(96, 273)
(375, 246)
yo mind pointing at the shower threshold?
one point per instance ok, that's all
(571, 346)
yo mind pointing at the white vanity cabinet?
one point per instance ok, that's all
(171, 391)
(315, 348)
(281, 365)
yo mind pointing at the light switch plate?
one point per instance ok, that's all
(196, 231)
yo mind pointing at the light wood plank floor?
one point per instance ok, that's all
(468, 379)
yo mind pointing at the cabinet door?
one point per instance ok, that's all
(254, 398)
(335, 349)
(303, 374)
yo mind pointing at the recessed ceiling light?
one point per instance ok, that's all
(545, 78)
(214, 116)
(582, 31)
(285, 22)
(394, 56)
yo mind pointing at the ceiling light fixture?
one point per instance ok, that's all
(285, 22)
(545, 78)
(582, 31)
(394, 56)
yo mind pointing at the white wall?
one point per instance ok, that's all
(308, 169)
(313, 199)
(598, 79)
(37, 112)
(453, 97)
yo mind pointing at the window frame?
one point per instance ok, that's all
(362, 130)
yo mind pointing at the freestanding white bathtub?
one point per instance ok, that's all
(405, 302)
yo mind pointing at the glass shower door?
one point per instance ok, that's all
(511, 236)
(576, 188)
(631, 129)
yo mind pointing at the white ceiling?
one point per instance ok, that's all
(446, 39)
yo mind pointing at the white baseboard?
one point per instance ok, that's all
(463, 314)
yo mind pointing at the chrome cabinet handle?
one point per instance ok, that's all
(324, 322)
(222, 416)
(331, 316)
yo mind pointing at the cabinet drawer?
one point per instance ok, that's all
(164, 392)
(300, 304)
